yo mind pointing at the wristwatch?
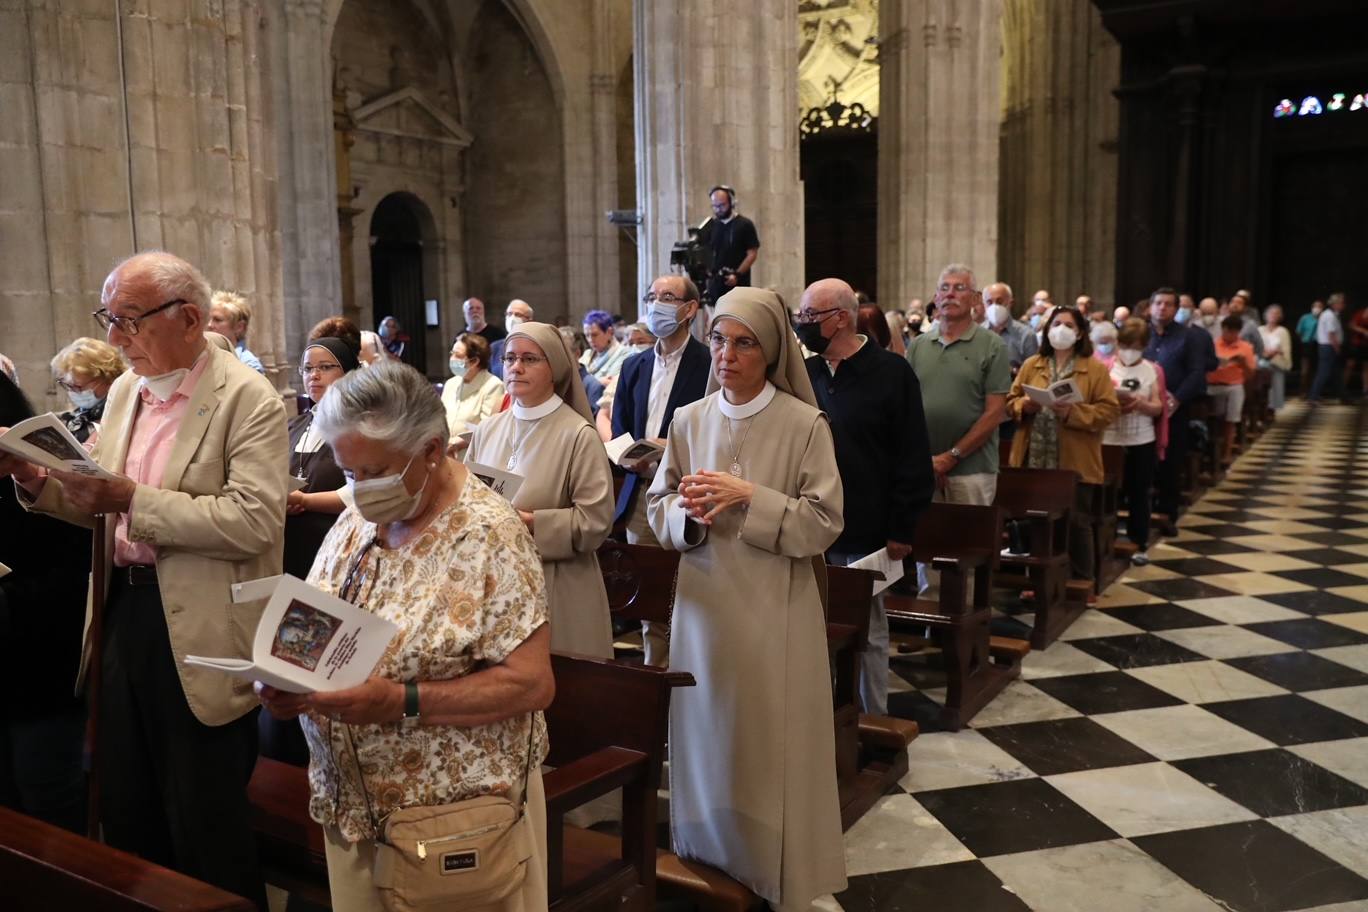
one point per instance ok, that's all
(410, 700)
(955, 451)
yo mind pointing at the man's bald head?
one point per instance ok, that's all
(156, 273)
(825, 294)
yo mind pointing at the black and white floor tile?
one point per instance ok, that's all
(1198, 743)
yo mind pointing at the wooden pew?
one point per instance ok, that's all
(871, 751)
(1043, 500)
(607, 731)
(960, 540)
(44, 868)
(607, 727)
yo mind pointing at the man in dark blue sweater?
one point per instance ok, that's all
(1185, 354)
(874, 403)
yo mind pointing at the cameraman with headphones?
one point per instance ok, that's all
(733, 241)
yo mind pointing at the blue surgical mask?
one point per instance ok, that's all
(458, 368)
(1035, 321)
(1106, 348)
(83, 399)
(662, 319)
(1183, 315)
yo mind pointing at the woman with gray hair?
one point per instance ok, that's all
(566, 496)
(453, 709)
(1277, 355)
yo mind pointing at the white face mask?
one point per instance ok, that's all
(1130, 356)
(84, 399)
(511, 323)
(642, 346)
(164, 387)
(1063, 337)
(998, 315)
(386, 499)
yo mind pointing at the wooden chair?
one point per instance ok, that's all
(44, 868)
(1043, 500)
(871, 751)
(960, 540)
(607, 731)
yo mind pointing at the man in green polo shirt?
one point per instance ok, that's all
(964, 375)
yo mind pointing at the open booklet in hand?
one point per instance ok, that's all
(625, 451)
(499, 481)
(1065, 392)
(45, 441)
(307, 640)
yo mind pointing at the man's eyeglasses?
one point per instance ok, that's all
(511, 359)
(815, 316)
(956, 287)
(320, 369)
(741, 344)
(129, 325)
(665, 297)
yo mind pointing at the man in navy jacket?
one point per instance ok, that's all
(651, 385)
(1185, 354)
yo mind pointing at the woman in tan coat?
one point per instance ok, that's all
(1066, 435)
(749, 490)
(566, 498)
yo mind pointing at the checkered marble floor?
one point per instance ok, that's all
(1198, 742)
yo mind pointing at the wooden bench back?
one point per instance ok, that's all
(602, 703)
(639, 579)
(958, 530)
(1020, 491)
(44, 868)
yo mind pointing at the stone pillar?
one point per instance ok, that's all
(603, 127)
(310, 247)
(197, 178)
(203, 153)
(938, 143)
(1058, 172)
(717, 102)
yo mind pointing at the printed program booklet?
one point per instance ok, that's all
(1065, 392)
(45, 441)
(624, 451)
(499, 481)
(307, 640)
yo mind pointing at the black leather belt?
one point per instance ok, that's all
(140, 574)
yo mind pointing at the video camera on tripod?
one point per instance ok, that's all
(694, 257)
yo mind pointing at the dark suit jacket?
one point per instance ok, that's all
(633, 396)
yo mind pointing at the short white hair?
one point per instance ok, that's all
(390, 403)
(174, 278)
(957, 269)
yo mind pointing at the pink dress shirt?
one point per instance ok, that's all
(149, 449)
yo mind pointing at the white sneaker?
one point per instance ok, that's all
(1140, 558)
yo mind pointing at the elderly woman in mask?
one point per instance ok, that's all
(566, 496)
(86, 369)
(454, 705)
(749, 490)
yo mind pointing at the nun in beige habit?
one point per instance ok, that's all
(566, 498)
(749, 491)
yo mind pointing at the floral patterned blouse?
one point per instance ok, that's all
(466, 592)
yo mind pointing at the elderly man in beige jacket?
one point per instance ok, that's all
(197, 443)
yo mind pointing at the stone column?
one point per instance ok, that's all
(938, 142)
(203, 153)
(1059, 150)
(197, 178)
(302, 99)
(603, 126)
(717, 102)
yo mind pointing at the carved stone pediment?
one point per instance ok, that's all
(409, 113)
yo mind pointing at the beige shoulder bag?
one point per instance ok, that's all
(451, 856)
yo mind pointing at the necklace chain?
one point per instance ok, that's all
(735, 468)
(518, 441)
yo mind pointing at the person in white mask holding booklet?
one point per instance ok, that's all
(194, 449)
(453, 710)
(1067, 434)
(565, 497)
(1140, 391)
